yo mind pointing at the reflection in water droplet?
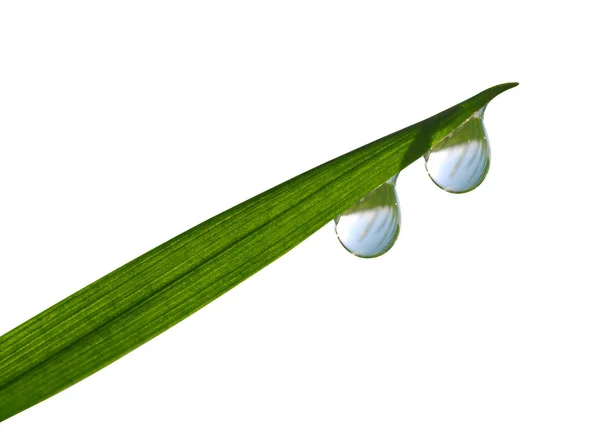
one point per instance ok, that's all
(460, 162)
(371, 226)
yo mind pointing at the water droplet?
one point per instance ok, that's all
(371, 226)
(460, 162)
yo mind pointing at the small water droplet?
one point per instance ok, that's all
(460, 162)
(371, 226)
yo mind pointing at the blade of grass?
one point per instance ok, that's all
(119, 312)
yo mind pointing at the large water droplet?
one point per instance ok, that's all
(371, 226)
(460, 162)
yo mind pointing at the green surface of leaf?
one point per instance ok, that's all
(119, 312)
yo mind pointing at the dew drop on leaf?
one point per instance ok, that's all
(371, 226)
(460, 162)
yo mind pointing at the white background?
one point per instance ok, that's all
(125, 123)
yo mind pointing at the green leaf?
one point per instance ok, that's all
(114, 315)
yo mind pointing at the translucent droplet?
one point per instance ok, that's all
(460, 162)
(371, 226)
